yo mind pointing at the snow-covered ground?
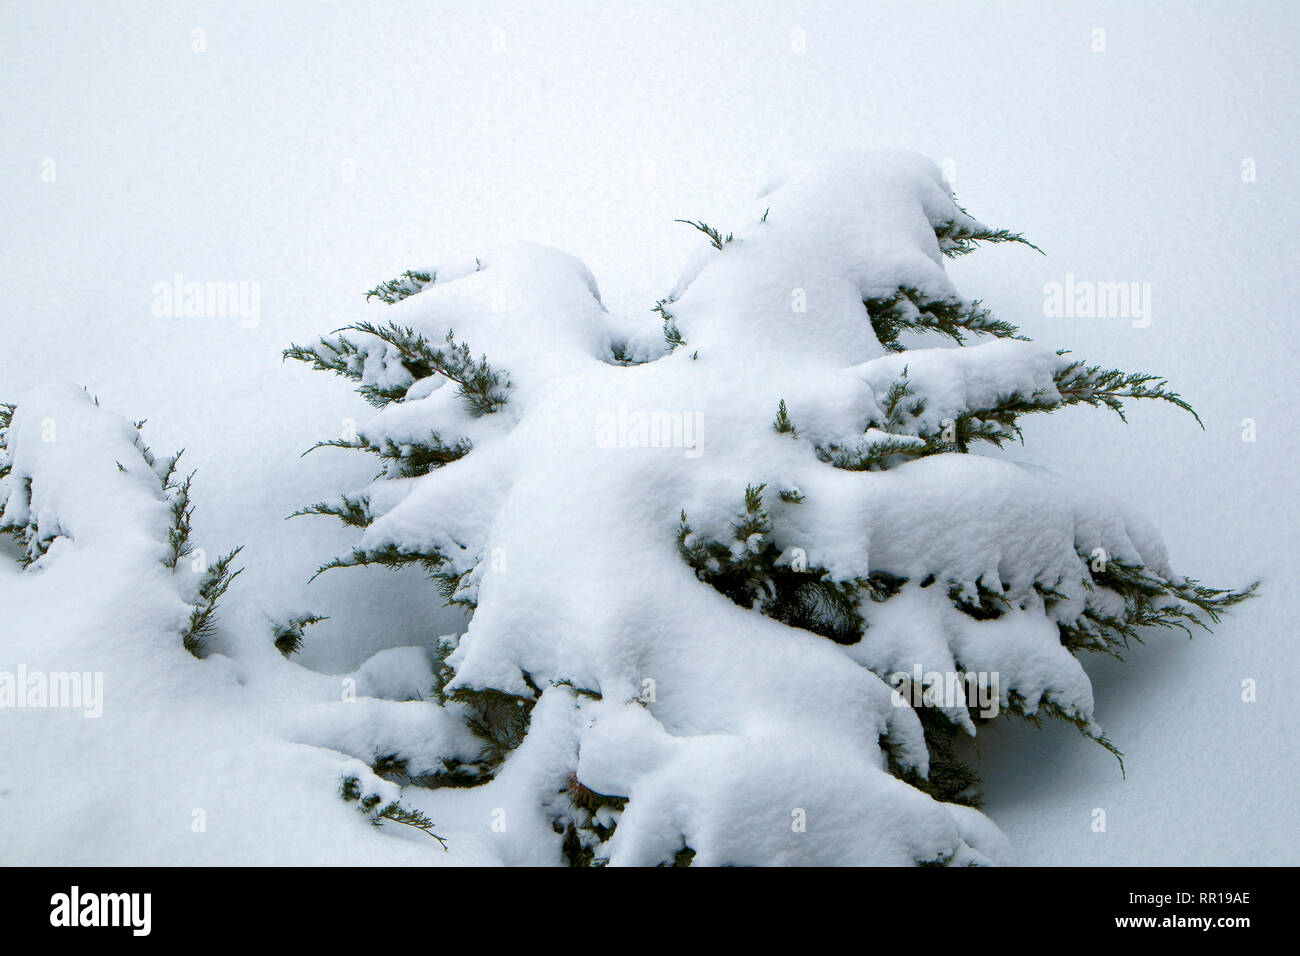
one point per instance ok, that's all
(315, 151)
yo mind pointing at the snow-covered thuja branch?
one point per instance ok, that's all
(75, 476)
(696, 575)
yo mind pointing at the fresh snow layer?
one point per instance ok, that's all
(272, 209)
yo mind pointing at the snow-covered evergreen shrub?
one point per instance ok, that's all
(699, 553)
(76, 473)
(112, 599)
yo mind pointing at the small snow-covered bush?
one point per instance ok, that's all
(76, 473)
(102, 614)
(705, 555)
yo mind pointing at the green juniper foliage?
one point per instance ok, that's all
(910, 309)
(178, 534)
(1075, 384)
(584, 818)
(19, 534)
(203, 618)
(499, 720)
(587, 821)
(950, 779)
(956, 239)
(409, 459)
(288, 636)
(682, 857)
(6, 417)
(714, 236)
(782, 423)
(1148, 601)
(754, 574)
(672, 335)
(376, 811)
(353, 512)
(407, 284)
(481, 387)
(216, 578)
(391, 766)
